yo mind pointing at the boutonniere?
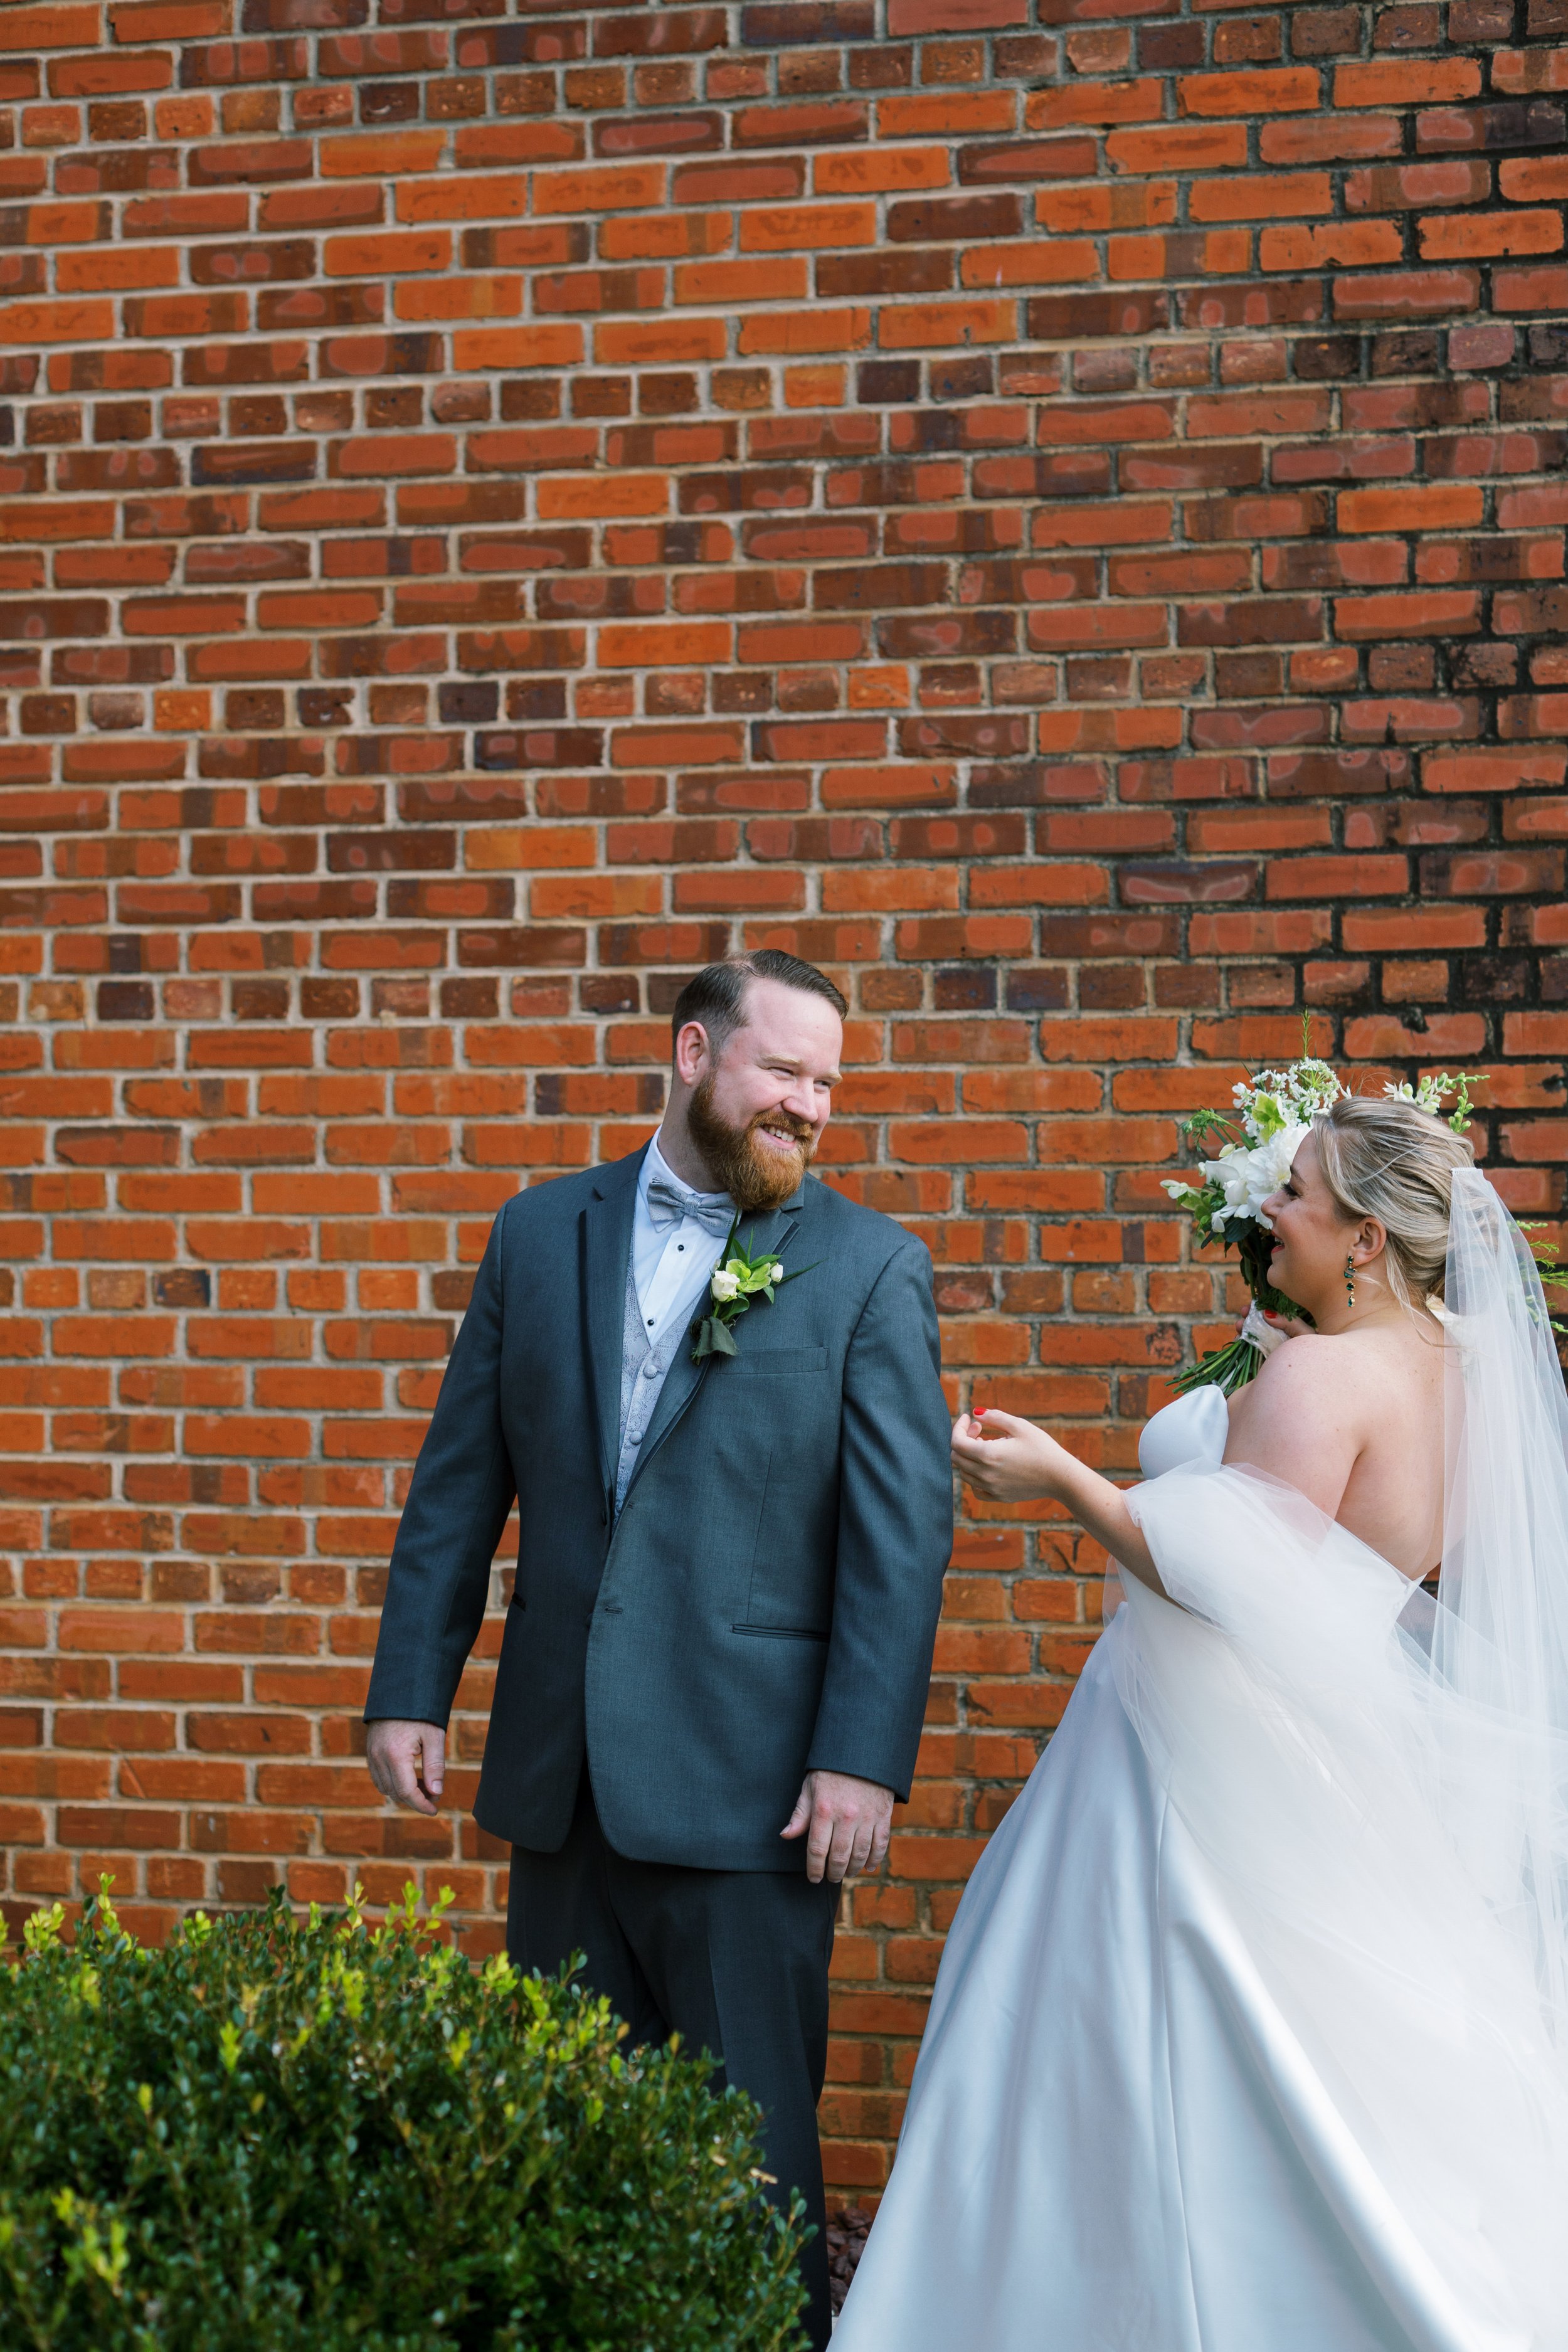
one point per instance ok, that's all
(740, 1276)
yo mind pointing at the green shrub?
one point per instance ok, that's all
(285, 2137)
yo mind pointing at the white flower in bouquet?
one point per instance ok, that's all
(1277, 1099)
(725, 1284)
(1248, 1177)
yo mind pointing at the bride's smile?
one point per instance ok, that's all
(1331, 1265)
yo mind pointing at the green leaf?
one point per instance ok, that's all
(713, 1339)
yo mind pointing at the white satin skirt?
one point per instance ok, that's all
(1100, 2153)
(1123, 2134)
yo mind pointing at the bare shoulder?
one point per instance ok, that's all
(1305, 1419)
(1340, 1416)
(1300, 1368)
(1350, 1381)
(1309, 1356)
(1311, 1382)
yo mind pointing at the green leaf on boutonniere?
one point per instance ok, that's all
(740, 1277)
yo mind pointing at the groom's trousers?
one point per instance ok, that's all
(734, 1961)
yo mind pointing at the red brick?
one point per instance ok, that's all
(1414, 506)
(1318, 877)
(1285, 91)
(1534, 179)
(1406, 294)
(1531, 290)
(1408, 81)
(62, 26)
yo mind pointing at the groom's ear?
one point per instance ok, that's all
(692, 1057)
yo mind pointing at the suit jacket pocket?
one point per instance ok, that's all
(769, 1363)
(781, 1633)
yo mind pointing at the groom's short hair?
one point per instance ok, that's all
(716, 996)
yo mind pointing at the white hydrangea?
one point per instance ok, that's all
(1281, 1099)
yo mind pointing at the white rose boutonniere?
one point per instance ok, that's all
(739, 1278)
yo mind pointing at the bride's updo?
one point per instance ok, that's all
(1389, 1159)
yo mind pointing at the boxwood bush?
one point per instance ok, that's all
(287, 2135)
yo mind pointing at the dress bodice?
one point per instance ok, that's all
(1193, 1428)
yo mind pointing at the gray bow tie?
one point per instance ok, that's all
(668, 1204)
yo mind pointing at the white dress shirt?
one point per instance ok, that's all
(670, 1268)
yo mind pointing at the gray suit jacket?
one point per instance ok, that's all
(765, 1601)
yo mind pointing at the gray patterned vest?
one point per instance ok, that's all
(643, 1371)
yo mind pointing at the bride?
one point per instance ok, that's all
(1251, 2033)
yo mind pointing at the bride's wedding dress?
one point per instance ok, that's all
(1251, 2034)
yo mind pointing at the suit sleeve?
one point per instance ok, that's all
(895, 1533)
(462, 1489)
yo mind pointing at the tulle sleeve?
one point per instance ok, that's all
(1255, 1557)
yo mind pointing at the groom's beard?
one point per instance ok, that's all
(756, 1176)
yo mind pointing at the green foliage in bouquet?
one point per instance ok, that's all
(282, 2136)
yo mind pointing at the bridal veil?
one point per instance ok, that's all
(1500, 1634)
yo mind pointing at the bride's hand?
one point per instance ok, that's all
(1004, 1458)
(1289, 1326)
(1010, 1460)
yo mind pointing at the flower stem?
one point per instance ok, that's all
(1228, 1369)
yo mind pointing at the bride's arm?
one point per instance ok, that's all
(1011, 1461)
(1298, 1422)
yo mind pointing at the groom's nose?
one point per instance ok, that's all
(802, 1102)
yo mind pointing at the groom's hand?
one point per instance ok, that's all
(845, 1823)
(407, 1762)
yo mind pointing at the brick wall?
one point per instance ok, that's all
(1051, 508)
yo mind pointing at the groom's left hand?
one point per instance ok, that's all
(848, 1823)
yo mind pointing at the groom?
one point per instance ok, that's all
(714, 1665)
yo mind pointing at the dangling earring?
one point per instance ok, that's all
(1349, 1277)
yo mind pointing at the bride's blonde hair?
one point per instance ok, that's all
(1390, 1160)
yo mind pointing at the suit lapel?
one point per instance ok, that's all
(606, 1236)
(773, 1231)
(776, 1229)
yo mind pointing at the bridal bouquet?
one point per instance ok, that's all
(1258, 1139)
